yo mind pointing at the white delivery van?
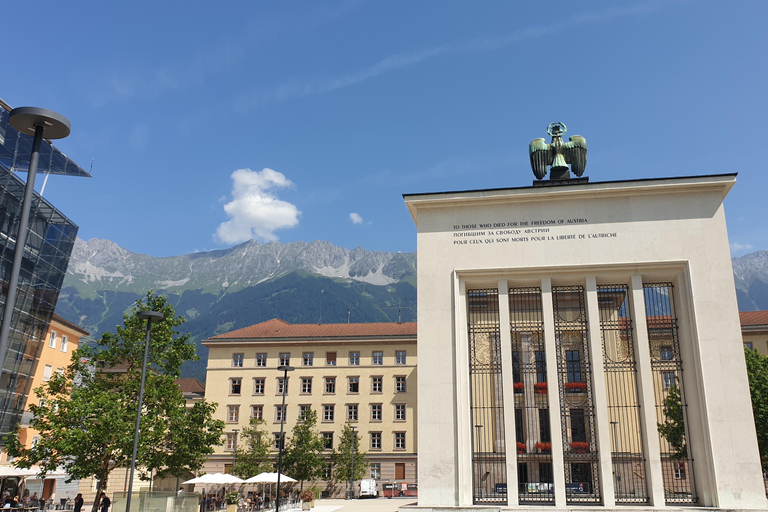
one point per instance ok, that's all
(368, 488)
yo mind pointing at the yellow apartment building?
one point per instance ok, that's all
(754, 330)
(363, 375)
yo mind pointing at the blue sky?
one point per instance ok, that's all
(212, 123)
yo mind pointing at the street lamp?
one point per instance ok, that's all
(351, 492)
(285, 369)
(234, 449)
(36, 122)
(149, 316)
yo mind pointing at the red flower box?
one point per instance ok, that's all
(540, 388)
(519, 387)
(544, 447)
(580, 447)
(575, 387)
(520, 447)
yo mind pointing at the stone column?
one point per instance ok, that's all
(510, 446)
(463, 414)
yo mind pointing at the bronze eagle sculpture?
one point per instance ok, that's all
(558, 154)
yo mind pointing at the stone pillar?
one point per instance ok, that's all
(510, 446)
(463, 414)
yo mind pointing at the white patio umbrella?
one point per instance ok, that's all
(215, 478)
(269, 478)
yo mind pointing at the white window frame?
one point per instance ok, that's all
(377, 358)
(400, 414)
(257, 412)
(400, 357)
(64, 343)
(233, 413)
(259, 385)
(47, 372)
(375, 441)
(261, 360)
(53, 339)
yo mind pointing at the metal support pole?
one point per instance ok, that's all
(285, 370)
(351, 493)
(149, 315)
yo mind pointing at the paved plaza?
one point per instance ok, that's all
(369, 505)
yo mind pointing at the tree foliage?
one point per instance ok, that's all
(86, 416)
(303, 459)
(347, 451)
(673, 428)
(757, 372)
(254, 456)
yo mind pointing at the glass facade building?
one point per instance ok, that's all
(50, 240)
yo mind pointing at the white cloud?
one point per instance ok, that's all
(355, 218)
(736, 247)
(255, 210)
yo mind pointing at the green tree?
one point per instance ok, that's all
(673, 428)
(303, 459)
(254, 456)
(347, 451)
(87, 415)
(757, 372)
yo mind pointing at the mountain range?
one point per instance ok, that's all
(219, 291)
(299, 282)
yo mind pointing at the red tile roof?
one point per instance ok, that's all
(190, 385)
(753, 318)
(69, 324)
(277, 328)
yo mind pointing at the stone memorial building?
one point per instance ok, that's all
(579, 344)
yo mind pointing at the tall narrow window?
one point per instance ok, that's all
(671, 405)
(534, 447)
(619, 364)
(354, 358)
(487, 399)
(574, 373)
(234, 385)
(400, 357)
(308, 359)
(285, 359)
(237, 360)
(53, 339)
(377, 358)
(261, 360)
(64, 343)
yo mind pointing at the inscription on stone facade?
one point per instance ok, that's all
(524, 231)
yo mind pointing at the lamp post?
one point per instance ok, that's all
(351, 493)
(36, 122)
(149, 316)
(285, 369)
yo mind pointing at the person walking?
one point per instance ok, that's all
(79, 501)
(105, 503)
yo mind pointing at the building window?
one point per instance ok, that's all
(399, 412)
(282, 385)
(748, 344)
(541, 366)
(279, 440)
(303, 410)
(330, 385)
(375, 440)
(400, 384)
(375, 412)
(376, 470)
(328, 412)
(237, 360)
(233, 413)
(279, 413)
(231, 441)
(257, 412)
(258, 386)
(64, 343)
(400, 357)
(285, 359)
(306, 385)
(234, 386)
(573, 365)
(328, 471)
(354, 384)
(399, 440)
(351, 412)
(376, 385)
(378, 358)
(665, 353)
(47, 372)
(307, 358)
(669, 379)
(679, 471)
(328, 440)
(330, 358)
(53, 339)
(354, 358)
(261, 360)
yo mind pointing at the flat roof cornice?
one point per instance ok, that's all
(720, 182)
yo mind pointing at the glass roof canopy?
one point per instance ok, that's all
(16, 148)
